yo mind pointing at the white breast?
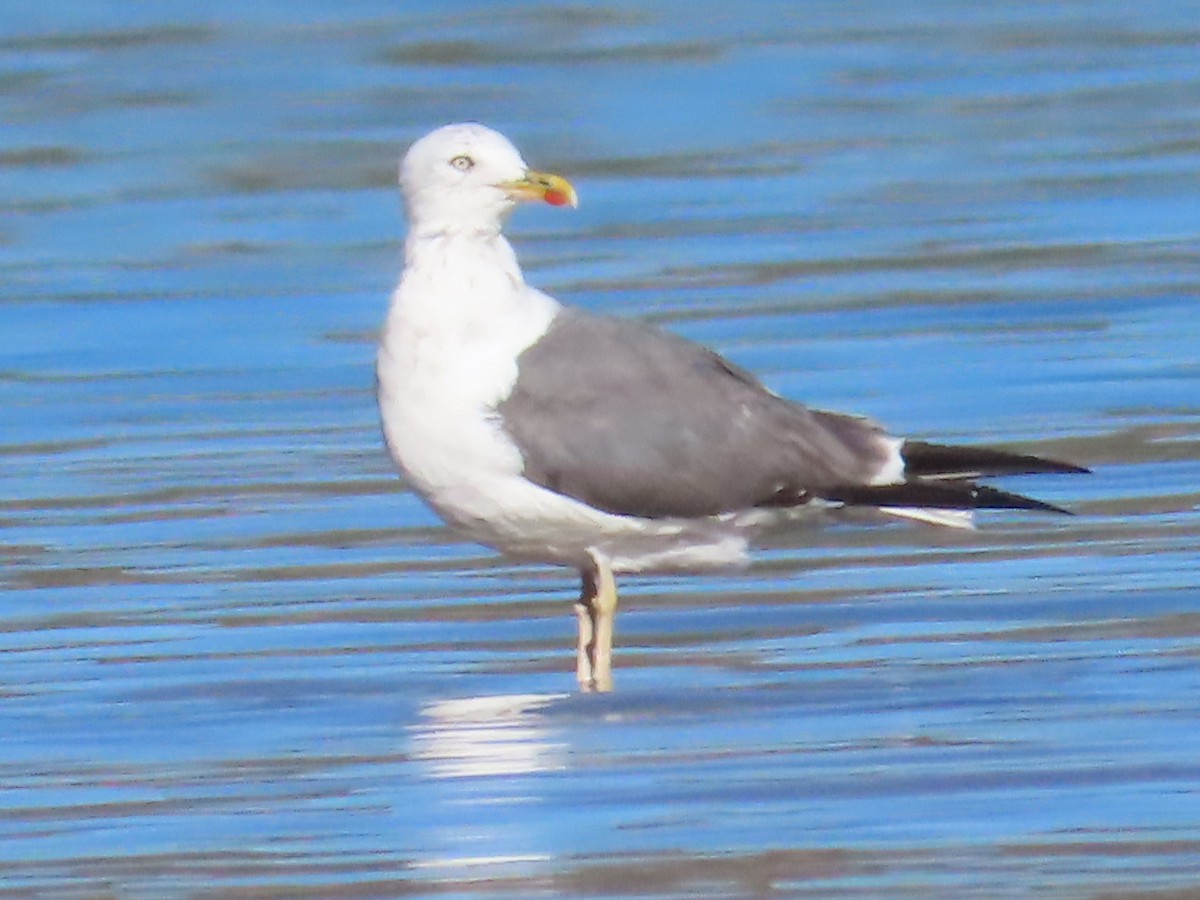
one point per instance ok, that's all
(447, 358)
(448, 355)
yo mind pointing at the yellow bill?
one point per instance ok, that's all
(552, 189)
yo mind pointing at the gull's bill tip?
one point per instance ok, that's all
(543, 186)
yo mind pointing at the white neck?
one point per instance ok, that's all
(461, 254)
(466, 288)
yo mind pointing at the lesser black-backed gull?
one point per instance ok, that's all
(604, 444)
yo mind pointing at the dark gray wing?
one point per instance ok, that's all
(637, 421)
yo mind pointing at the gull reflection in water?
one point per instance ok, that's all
(482, 736)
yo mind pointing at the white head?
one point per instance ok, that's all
(467, 178)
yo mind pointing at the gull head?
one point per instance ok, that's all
(467, 179)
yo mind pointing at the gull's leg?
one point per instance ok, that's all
(596, 609)
(604, 613)
(587, 630)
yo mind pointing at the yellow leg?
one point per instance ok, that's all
(583, 653)
(596, 612)
(605, 607)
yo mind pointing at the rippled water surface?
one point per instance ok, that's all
(239, 660)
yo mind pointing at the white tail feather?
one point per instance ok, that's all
(951, 518)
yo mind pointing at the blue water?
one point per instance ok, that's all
(239, 660)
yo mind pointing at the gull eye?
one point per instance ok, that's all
(462, 163)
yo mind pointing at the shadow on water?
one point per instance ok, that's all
(240, 660)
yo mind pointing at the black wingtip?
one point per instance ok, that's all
(938, 495)
(990, 498)
(923, 460)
